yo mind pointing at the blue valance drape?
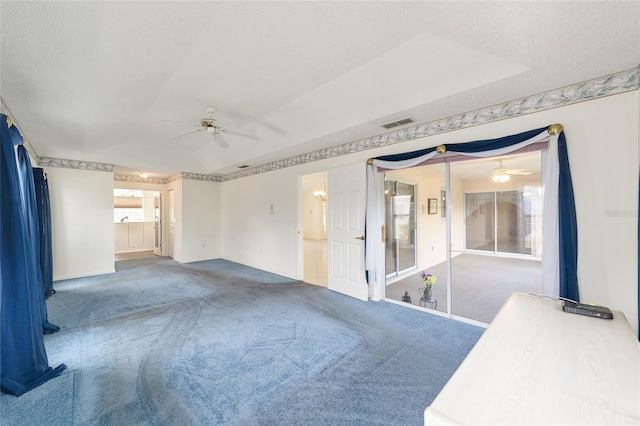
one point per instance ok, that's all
(559, 223)
(468, 147)
(23, 359)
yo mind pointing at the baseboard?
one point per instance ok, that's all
(263, 268)
(91, 274)
(182, 261)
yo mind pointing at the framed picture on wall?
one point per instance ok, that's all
(433, 206)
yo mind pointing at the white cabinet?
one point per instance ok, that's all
(133, 236)
(536, 364)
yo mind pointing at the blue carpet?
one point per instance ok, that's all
(218, 343)
(48, 404)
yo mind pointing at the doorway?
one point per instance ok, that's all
(135, 232)
(314, 228)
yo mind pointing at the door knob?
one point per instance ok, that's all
(360, 238)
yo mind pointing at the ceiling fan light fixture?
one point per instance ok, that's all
(211, 126)
(501, 178)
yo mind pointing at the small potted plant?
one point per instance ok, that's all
(428, 281)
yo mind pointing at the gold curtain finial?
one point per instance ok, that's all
(555, 129)
(441, 149)
(369, 161)
(9, 121)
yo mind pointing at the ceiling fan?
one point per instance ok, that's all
(212, 126)
(501, 174)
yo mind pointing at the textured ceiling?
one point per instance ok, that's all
(107, 81)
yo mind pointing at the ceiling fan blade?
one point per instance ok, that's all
(185, 123)
(230, 122)
(185, 133)
(519, 172)
(220, 140)
(243, 135)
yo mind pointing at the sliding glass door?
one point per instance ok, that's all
(481, 237)
(501, 229)
(400, 198)
(503, 221)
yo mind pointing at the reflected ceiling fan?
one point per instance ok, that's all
(212, 126)
(502, 174)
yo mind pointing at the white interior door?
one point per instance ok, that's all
(157, 224)
(346, 203)
(172, 223)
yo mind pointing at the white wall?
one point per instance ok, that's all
(82, 222)
(603, 145)
(200, 221)
(603, 148)
(260, 221)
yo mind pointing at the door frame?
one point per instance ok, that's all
(150, 188)
(158, 222)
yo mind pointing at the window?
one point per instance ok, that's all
(128, 205)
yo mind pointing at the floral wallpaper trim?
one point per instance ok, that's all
(613, 84)
(173, 178)
(200, 176)
(74, 164)
(138, 179)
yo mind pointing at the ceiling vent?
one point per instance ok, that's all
(397, 123)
